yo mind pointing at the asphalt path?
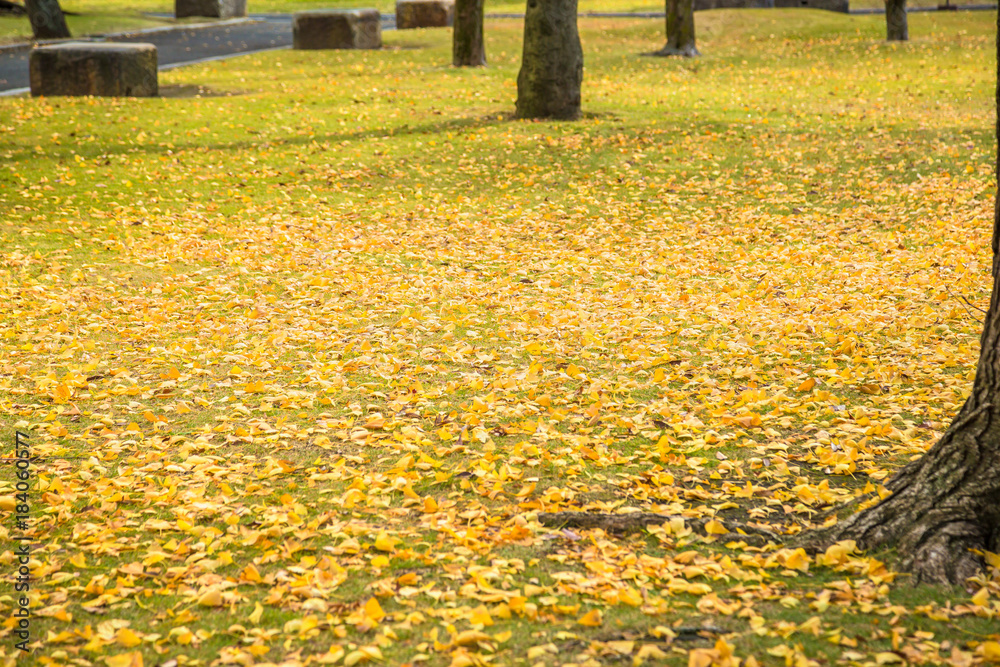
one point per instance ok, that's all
(189, 45)
(175, 46)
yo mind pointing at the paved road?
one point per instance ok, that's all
(175, 46)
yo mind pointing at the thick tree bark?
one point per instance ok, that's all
(548, 85)
(947, 503)
(896, 28)
(467, 47)
(680, 30)
(47, 20)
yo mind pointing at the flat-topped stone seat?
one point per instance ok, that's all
(94, 68)
(424, 14)
(337, 29)
(219, 9)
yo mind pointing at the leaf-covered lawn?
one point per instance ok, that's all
(307, 345)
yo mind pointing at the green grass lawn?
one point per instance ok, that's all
(94, 18)
(307, 343)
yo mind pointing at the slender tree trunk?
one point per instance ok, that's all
(548, 85)
(947, 503)
(680, 30)
(47, 20)
(896, 28)
(467, 47)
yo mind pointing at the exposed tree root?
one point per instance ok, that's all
(696, 631)
(633, 522)
(943, 506)
(822, 516)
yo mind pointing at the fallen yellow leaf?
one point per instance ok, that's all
(714, 527)
(127, 638)
(373, 610)
(211, 598)
(133, 659)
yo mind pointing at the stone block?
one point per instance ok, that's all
(337, 29)
(829, 5)
(424, 14)
(94, 68)
(218, 9)
(702, 5)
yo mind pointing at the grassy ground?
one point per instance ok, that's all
(306, 345)
(107, 16)
(17, 29)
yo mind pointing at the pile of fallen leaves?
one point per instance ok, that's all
(314, 400)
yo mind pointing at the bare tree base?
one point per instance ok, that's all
(683, 52)
(943, 508)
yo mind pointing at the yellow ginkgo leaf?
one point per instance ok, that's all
(385, 543)
(630, 596)
(211, 598)
(798, 560)
(838, 553)
(621, 646)
(701, 657)
(373, 610)
(650, 652)
(133, 659)
(363, 654)
(991, 651)
(258, 611)
(251, 573)
(481, 616)
(888, 658)
(714, 527)
(470, 637)
(536, 652)
(127, 638)
(592, 618)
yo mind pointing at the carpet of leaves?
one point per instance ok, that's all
(299, 398)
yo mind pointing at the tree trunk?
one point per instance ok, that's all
(948, 502)
(680, 30)
(548, 85)
(895, 21)
(467, 47)
(47, 20)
